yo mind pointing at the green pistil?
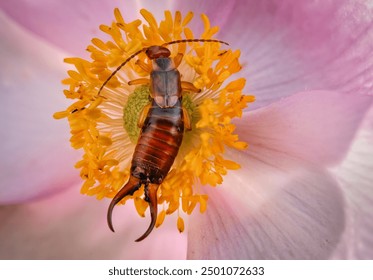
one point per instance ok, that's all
(191, 108)
(138, 100)
(131, 111)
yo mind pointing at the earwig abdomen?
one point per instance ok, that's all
(159, 143)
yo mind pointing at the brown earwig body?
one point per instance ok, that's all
(162, 128)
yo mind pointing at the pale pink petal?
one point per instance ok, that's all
(356, 179)
(36, 157)
(220, 13)
(290, 46)
(269, 212)
(71, 24)
(316, 126)
(278, 200)
(71, 226)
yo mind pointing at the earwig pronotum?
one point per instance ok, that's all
(162, 124)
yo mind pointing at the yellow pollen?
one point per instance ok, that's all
(96, 121)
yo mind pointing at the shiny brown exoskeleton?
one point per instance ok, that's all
(162, 124)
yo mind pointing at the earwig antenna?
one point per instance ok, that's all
(194, 40)
(144, 49)
(119, 67)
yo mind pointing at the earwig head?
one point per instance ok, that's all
(155, 52)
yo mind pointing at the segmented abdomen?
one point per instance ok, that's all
(159, 143)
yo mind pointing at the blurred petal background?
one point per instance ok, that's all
(285, 189)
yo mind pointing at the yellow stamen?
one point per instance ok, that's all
(180, 224)
(160, 218)
(104, 126)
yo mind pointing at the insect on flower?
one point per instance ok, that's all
(162, 125)
(155, 128)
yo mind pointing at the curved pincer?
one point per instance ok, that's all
(151, 198)
(129, 188)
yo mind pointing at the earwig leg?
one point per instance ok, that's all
(178, 59)
(151, 198)
(141, 81)
(187, 122)
(144, 66)
(129, 188)
(187, 86)
(143, 115)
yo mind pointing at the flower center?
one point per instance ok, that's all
(105, 125)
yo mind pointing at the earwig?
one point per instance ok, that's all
(162, 124)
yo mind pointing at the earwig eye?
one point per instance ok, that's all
(149, 52)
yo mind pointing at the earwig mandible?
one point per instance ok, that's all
(162, 124)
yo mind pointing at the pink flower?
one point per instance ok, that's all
(304, 188)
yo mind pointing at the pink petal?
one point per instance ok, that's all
(316, 126)
(71, 24)
(279, 205)
(36, 156)
(269, 212)
(71, 226)
(290, 46)
(220, 13)
(356, 177)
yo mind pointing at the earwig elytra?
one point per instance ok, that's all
(162, 124)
